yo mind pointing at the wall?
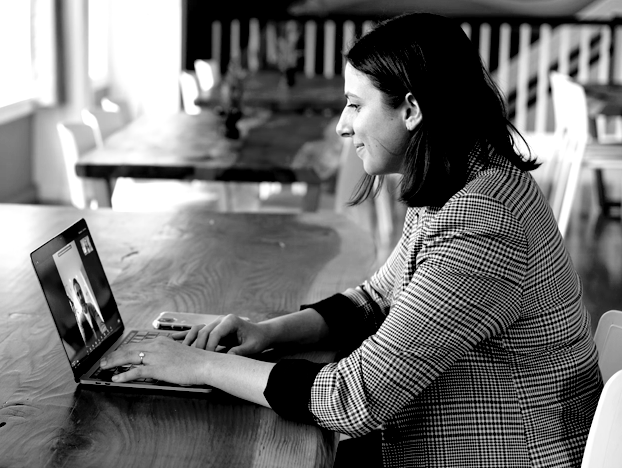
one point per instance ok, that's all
(49, 168)
(16, 184)
(145, 61)
(145, 54)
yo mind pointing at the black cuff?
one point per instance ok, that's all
(338, 312)
(289, 388)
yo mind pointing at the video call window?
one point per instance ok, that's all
(80, 297)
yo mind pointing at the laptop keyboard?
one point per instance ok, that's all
(135, 336)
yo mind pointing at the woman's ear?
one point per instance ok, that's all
(412, 112)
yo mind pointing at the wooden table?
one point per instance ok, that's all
(259, 265)
(182, 146)
(603, 99)
(266, 89)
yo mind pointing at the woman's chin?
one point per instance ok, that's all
(371, 170)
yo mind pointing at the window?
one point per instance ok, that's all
(16, 80)
(99, 24)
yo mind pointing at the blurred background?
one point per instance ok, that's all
(60, 56)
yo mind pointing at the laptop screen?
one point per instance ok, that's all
(77, 292)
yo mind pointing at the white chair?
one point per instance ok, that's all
(603, 448)
(117, 105)
(189, 92)
(103, 123)
(608, 339)
(208, 75)
(542, 145)
(571, 133)
(76, 139)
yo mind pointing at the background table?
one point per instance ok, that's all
(266, 89)
(603, 98)
(605, 152)
(182, 146)
(258, 265)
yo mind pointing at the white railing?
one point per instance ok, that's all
(520, 54)
(583, 50)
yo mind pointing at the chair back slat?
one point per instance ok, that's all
(76, 139)
(603, 448)
(571, 131)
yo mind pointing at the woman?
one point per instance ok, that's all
(86, 331)
(471, 345)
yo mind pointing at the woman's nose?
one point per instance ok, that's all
(344, 129)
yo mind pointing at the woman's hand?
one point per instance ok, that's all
(241, 336)
(164, 359)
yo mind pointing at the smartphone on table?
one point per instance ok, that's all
(180, 321)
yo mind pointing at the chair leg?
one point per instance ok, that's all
(600, 192)
(311, 200)
(226, 199)
(605, 204)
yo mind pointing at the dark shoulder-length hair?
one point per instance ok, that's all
(431, 57)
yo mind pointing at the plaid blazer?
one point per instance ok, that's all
(474, 346)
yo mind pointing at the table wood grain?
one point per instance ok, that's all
(258, 265)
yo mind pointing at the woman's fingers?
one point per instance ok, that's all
(178, 336)
(163, 358)
(226, 331)
(191, 335)
(122, 356)
(227, 326)
(202, 336)
(205, 332)
(130, 353)
(138, 372)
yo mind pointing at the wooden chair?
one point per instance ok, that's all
(603, 448)
(608, 339)
(77, 139)
(571, 133)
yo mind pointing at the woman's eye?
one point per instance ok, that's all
(353, 106)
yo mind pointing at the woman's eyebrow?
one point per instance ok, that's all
(348, 95)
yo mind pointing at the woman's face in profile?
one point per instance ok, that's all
(379, 133)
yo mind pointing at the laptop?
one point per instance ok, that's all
(85, 312)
